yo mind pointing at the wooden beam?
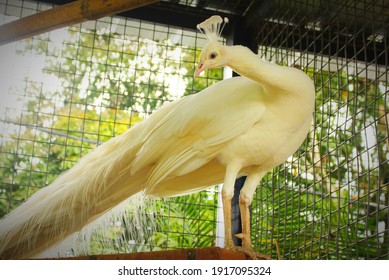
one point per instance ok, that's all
(207, 253)
(65, 15)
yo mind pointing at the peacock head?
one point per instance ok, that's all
(212, 55)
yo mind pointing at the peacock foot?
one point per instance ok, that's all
(250, 253)
(248, 249)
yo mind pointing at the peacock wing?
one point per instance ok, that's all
(196, 128)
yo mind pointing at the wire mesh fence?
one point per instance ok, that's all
(330, 200)
(65, 92)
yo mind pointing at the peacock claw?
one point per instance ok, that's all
(250, 253)
(248, 249)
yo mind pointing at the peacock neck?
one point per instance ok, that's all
(247, 64)
(291, 85)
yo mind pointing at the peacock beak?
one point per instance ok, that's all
(200, 68)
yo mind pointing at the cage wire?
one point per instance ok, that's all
(330, 200)
(64, 92)
(69, 90)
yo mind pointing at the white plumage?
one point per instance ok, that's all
(240, 126)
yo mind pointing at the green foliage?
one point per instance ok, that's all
(179, 222)
(187, 221)
(97, 84)
(328, 201)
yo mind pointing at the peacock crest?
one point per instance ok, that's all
(212, 28)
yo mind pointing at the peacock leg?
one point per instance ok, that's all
(245, 199)
(228, 243)
(244, 204)
(227, 194)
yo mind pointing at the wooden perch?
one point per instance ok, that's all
(207, 253)
(65, 15)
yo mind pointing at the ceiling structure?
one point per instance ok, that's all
(348, 28)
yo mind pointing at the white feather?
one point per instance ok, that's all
(252, 122)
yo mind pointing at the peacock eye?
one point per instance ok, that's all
(213, 55)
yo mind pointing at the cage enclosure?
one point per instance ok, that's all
(66, 91)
